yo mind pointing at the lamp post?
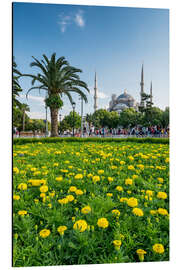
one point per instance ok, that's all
(46, 132)
(73, 105)
(59, 123)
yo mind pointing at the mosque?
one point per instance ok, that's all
(124, 100)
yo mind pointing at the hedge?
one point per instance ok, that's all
(17, 141)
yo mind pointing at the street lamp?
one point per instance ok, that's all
(59, 123)
(46, 132)
(73, 105)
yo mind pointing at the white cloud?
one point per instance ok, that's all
(38, 115)
(66, 20)
(33, 98)
(100, 94)
(79, 20)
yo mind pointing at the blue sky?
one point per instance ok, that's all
(114, 41)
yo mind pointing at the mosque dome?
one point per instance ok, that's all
(122, 102)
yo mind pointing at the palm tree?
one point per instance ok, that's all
(24, 109)
(58, 78)
(16, 88)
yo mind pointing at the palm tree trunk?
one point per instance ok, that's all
(54, 122)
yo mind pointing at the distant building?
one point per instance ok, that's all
(125, 100)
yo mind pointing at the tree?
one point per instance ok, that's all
(16, 88)
(37, 125)
(129, 118)
(113, 120)
(70, 120)
(24, 108)
(101, 118)
(89, 119)
(58, 78)
(165, 117)
(153, 117)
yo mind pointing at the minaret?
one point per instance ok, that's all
(151, 96)
(142, 86)
(95, 93)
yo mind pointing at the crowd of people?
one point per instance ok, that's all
(154, 131)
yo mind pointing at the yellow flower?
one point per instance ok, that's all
(162, 211)
(158, 248)
(63, 201)
(109, 194)
(52, 194)
(59, 178)
(116, 212)
(44, 188)
(22, 213)
(78, 176)
(132, 202)
(167, 160)
(62, 229)
(110, 179)
(55, 164)
(123, 199)
(22, 186)
(122, 162)
(42, 195)
(33, 169)
(131, 167)
(134, 176)
(44, 233)
(161, 180)
(138, 212)
(149, 192)
(117, 244)
(119, 188)
(79, 192)
(96, 178)
(16, 170)
(72, 189)
(140, 253)
(100, 171)
(103, 223)
(16, 197)
(86, 210)
(128, 181)
(162, 195)
(80, 225)
(140, 166)
(153, 212)
(70, 198)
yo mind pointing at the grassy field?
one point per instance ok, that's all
(90, 203)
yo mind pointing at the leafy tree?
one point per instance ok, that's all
(152, 117)
(129, 118)
(113, 120)
(37, 125)
(165, 117)
(101, 118)
(70, 121)
(58, 78)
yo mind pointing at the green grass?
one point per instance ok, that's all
(94, 245)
